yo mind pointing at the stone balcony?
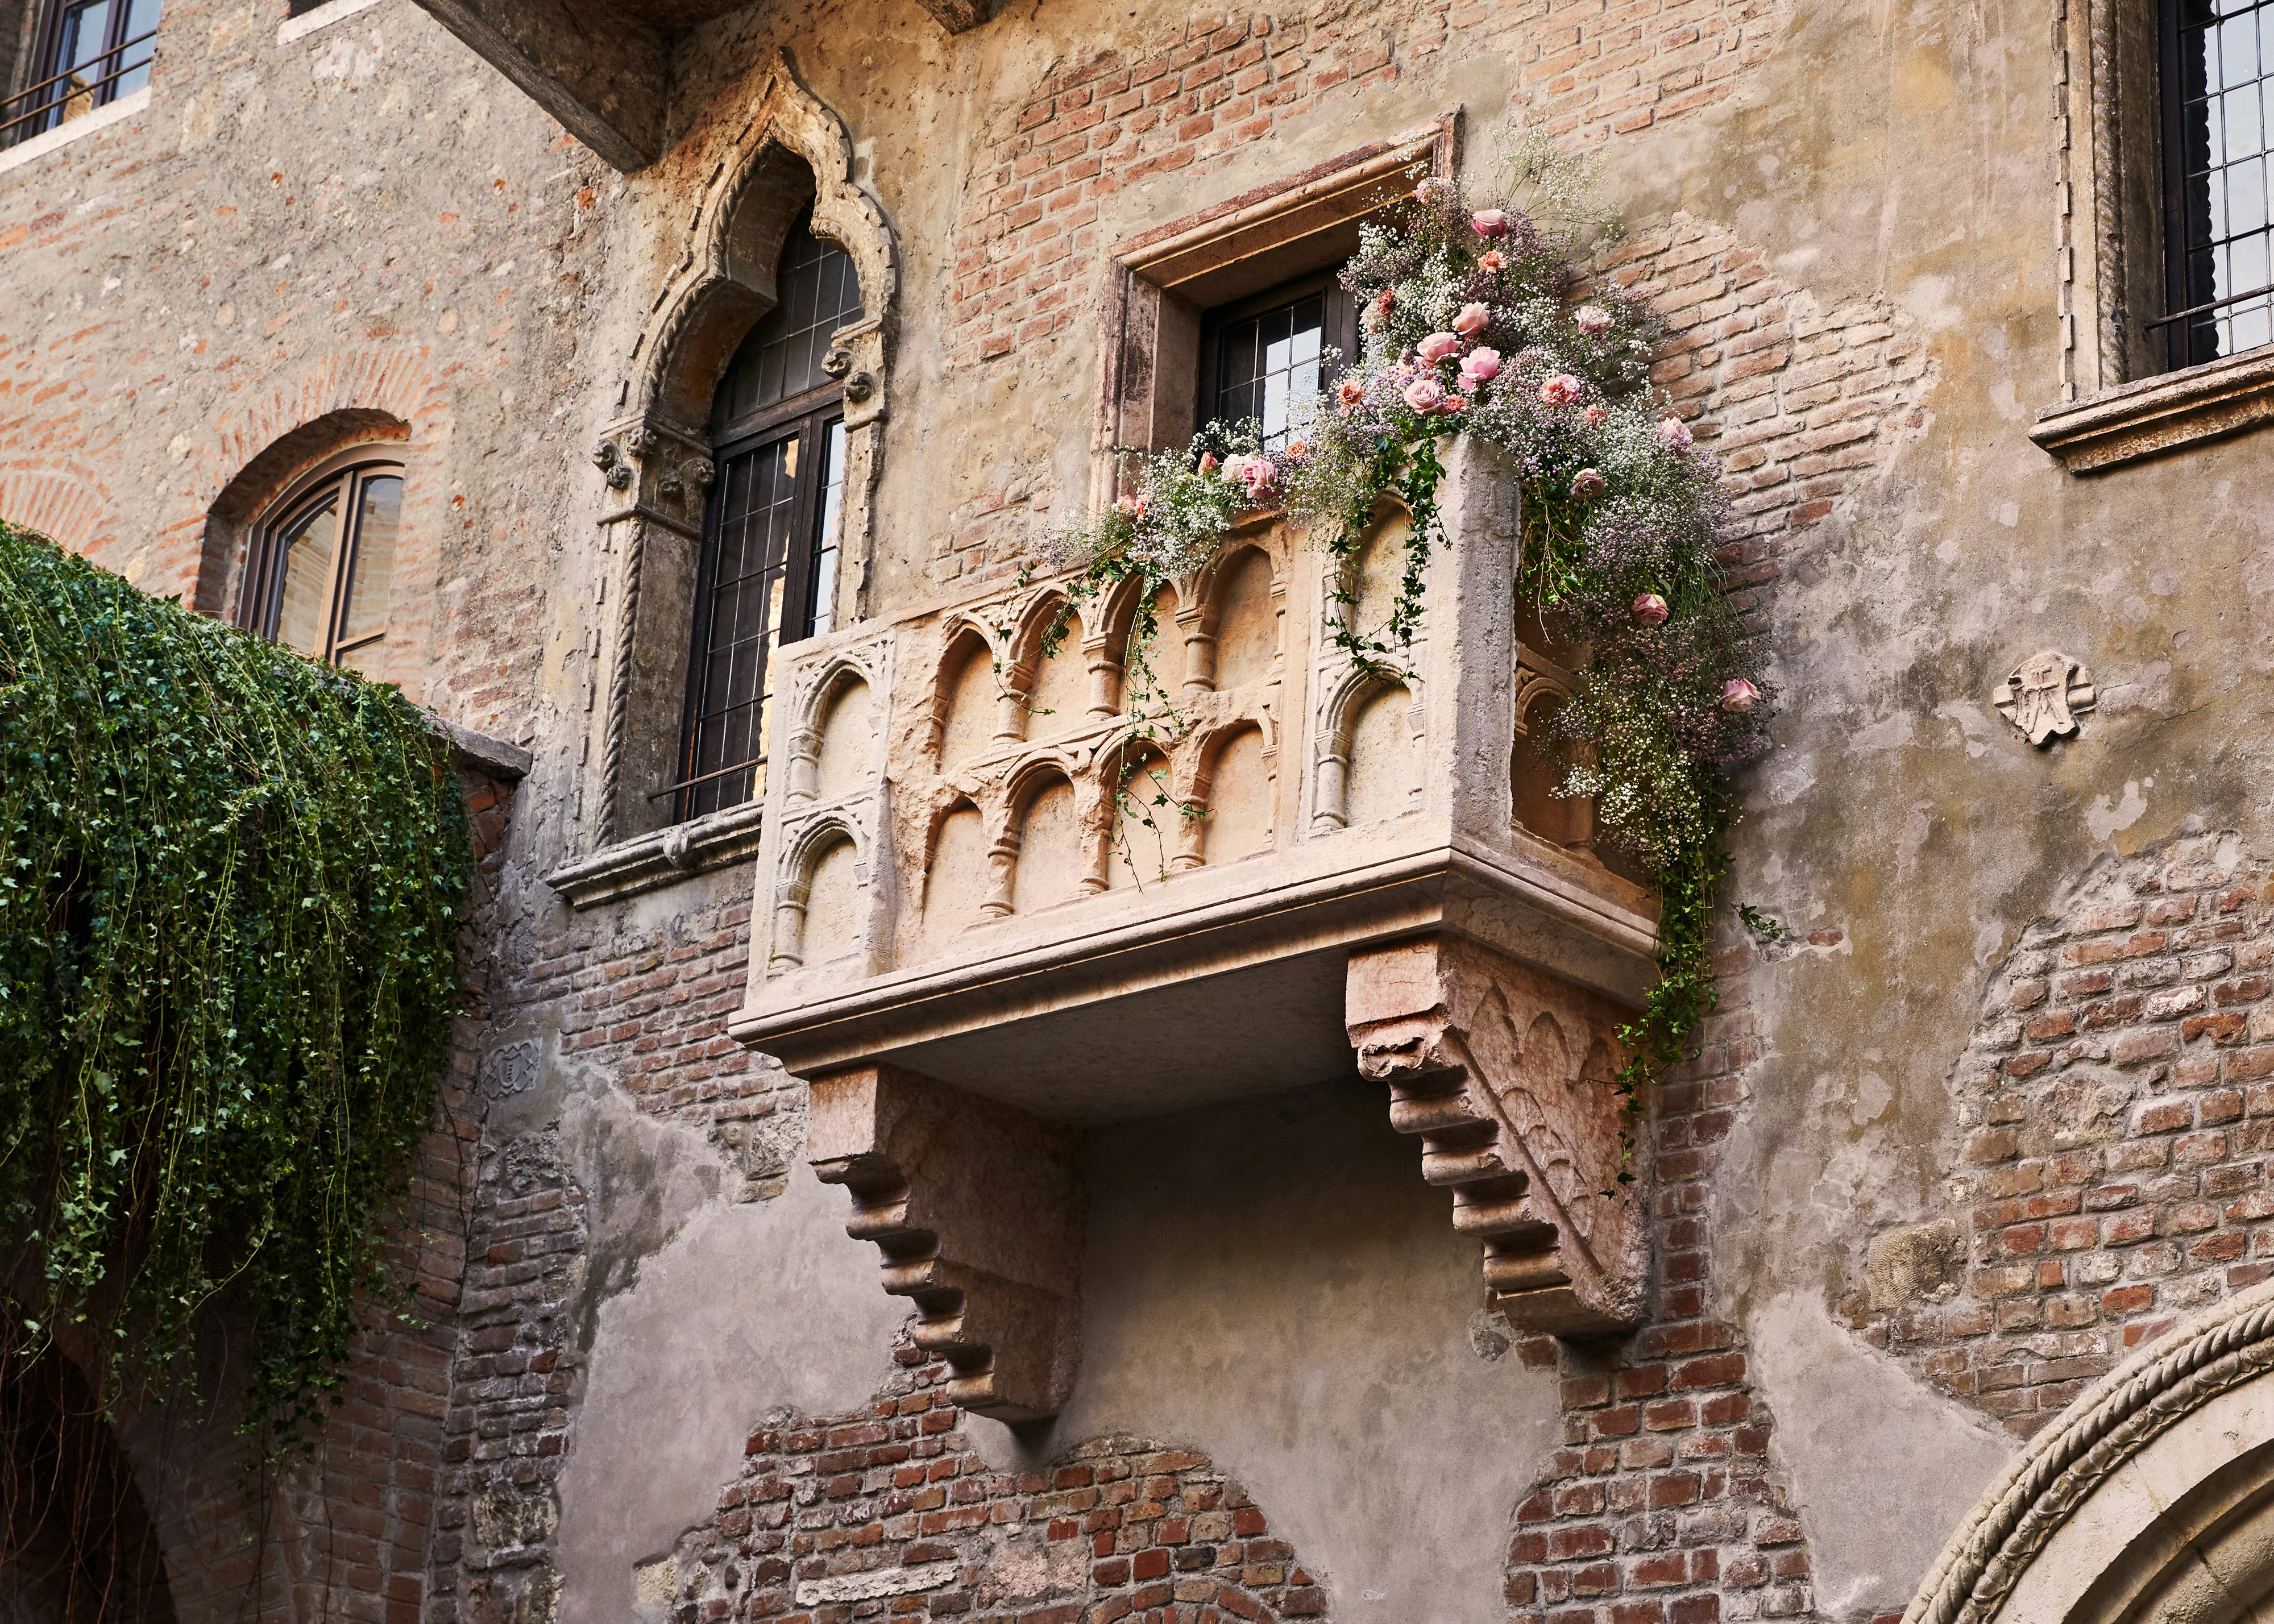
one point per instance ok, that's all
(972, 946)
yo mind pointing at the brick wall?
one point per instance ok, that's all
(891, 1509)
(1662, 1507)
(647, 1011)
(2118, 1102)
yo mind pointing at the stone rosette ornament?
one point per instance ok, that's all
(2044, 696)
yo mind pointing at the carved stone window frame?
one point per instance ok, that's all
(2116, 405)
(654, 466)
(1161, 281)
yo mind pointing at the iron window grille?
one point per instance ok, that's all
(767, 574)
(2217, 61)
(319, 574)
(91, 52)
(1265, 356)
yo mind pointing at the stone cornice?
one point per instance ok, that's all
(2157, 415)
(661, 859)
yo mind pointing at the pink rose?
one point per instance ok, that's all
(1597, 417)
(1257, 473)
(1474, 320)
(1135, 506)
(1349, 391)
(1587, 484)
(1493, 259)
(1430, 190)
(1436, 347)
(1592, 319)
(1650, 610)
(1207, 463)
(1480, 364)
(1298, 449)
(1560, 390)
(1489, 223)
(1673, 434)
(1737, 695)
(1426, 394)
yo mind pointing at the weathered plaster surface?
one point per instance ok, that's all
(1272, 1281)
(1882, 1467)
(747, 1306)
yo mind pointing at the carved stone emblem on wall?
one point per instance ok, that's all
(2045, 695)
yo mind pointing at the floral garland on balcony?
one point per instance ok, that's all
(229, 890)
(1473, 326)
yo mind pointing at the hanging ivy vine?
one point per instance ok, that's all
(229, 891)
(1478, 323)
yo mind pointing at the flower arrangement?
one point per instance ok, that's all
(1474, 324)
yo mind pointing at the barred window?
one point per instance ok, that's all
(768, 573)
(2218, 71)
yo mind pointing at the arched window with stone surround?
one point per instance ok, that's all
(768, 569)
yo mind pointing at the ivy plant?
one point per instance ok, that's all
(231, 887)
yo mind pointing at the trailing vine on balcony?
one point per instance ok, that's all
(1475, 325)
(229, 891)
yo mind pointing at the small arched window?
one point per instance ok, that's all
(320, 572)
(768, 574)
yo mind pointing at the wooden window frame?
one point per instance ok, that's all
(1341, 334)
(261, 599)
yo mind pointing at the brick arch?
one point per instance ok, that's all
(273, 429)
(2116, 1099)
(68, 508)
(892, 1503)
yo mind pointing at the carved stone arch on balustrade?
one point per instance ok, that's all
(1042, 668)
(961, 715)
(1233, 785)
(824, 748)
(1537, 767)
(1040, 854)
(790, 153)
(820, 908)
(1334, 767)
(1234, 633)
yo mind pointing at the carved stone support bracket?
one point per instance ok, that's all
(1505, 1075)
(973, 1206)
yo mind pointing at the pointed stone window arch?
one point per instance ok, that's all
(788, 180)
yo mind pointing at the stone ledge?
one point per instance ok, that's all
(63, 135)
(508, 763)
(2161, 414)
(661, 859)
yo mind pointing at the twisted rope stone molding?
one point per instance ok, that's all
(2113, 1421)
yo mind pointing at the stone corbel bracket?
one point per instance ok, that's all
(1504, 1074)
(975, 1207)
